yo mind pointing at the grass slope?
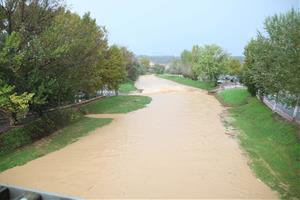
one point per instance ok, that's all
(127, 87)
(118, 104)
(55, 142)
(234, 97)
(271, 143)
(188, 82)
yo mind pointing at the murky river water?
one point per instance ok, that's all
(174, 148)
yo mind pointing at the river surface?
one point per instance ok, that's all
(176, 147)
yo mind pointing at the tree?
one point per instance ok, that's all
(234, 67)
(209, 61)
(63, 60)
(175, 67)
(11, 58)
(157, 69)
(133, 67)
(185, 66)
(145, 62)
(272, 62)
(29, 17)
(113, 69)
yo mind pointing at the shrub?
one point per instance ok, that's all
(13, 139)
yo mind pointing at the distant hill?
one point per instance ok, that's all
(160, 59)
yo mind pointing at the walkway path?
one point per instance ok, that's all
(174, 148)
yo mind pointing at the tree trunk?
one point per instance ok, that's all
(9, 21)
(22, 11)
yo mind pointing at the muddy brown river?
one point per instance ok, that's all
(174, 148)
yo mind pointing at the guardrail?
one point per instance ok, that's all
(8, 192)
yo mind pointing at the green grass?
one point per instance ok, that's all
(127, 87)
(234, 97)
(271, 143)
(55, 142)
(118, 104)
(189, 82)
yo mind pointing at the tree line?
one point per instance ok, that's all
(205, 63)
(271, 65)
(272, 59)
(49, 54)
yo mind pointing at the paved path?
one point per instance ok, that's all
(174, 148)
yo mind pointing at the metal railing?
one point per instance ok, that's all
(8, 192)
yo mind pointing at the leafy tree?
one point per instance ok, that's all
(209, 61)
(53, 54)
(113, 69)
(175, 67)
(12, 103)
(65, 61)
(133, 67)
(234, 67)
(185, 66)
(157, 69)
(272, 63)
(145, 62)
(27, 16)
(11, 58)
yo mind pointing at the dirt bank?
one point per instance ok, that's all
(174, 148)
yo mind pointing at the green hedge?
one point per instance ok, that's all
(44, 126)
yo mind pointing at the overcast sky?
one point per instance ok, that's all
(166, 27)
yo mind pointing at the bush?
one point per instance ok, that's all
(13, 139)
(39, 128)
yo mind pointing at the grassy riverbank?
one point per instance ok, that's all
(17, 144)
(188, 82)
(118, 104)
(271, 143)
(234, 97)
(127, 87)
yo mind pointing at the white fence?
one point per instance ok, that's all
(287, 112)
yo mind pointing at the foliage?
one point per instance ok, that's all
(206, 63)
(271, 143)
(175, 68)
(272, 62)
(189, 82)
(113, 71)
(118, 104)
(157, 69)
(234, 67)
(53, 54)
(133, 67)
(209, 62)
(12, 103)
(145, 62)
